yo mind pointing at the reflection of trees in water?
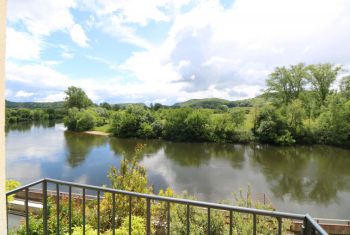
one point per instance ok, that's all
(235, 154)
(18, 126)
(196, 154)
(79, 145)
(26, 126)
(304, 174)
(126, 147)
(187, 154)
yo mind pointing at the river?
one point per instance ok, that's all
(302, 179)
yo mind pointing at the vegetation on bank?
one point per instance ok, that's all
(301, 105)
(133, 177)
(14, 115)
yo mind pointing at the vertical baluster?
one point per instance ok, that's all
(70, 208)
(7, 213)
(279, 226)
(254, 224)
(27, 211)
(58, 208)
(98, 212)
(45, 207)
(148, 216)
(188, 219)
(130, 213)
(168, 218)
(83, 211)
(208, 231)
(113, 214)
(231, 223)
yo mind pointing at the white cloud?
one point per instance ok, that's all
(132, 11)
(113, 25)
(52, 97)
(41, 17)
(22, 45)
(36, 75)
(78, 36)
(23, 94)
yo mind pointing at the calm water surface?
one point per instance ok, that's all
(297, 179)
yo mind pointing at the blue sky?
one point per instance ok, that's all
(166, 50)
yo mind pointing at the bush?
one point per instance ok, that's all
(79, 120)
(270, 127)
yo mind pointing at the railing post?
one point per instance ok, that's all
(45, 207)
(27, 212)
(168, 218)
(148, 216)
(58, 208)
(84, 211)
(188, 219)
(279, 219)
(254, 224)
(70, 209)
(305, 227)
(113, 214)
(130, 214)
(98, 212)
(7, 214)
(231, 222)
(208, 231)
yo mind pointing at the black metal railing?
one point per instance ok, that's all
(310, 226)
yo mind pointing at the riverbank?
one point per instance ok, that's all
(100, 133)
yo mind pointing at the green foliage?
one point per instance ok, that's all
(138, 226)
(77, 120)
(270, 127)
(321, 78)
(244, 222)
(76, 98)
(333, 125)
(285, 84)
(35, 105)
(10, 185)
(345, 86)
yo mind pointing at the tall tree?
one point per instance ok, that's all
(285, 84)
(76, 97)
(321, 77)
(345, 86)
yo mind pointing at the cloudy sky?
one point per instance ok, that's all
(165, 50)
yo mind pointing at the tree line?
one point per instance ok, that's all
(302, 104)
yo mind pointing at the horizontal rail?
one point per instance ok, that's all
(16, 190)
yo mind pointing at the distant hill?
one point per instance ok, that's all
(124, 105)
(214, 103)
(33, 105)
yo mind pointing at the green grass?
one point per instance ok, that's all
(105, 128)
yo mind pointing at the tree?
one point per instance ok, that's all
(285, 84)
(345, 86)
(321, 77)
(270, 127)
(106, 105)
(76, 97)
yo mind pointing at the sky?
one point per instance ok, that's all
(166, 51)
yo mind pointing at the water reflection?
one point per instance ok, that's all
(298, 179)
(79, 146)
(304, 174)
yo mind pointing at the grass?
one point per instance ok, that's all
(105, 128)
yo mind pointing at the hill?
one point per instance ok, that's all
(34, 105)
(214, 103)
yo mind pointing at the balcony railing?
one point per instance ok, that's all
(310, 226)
